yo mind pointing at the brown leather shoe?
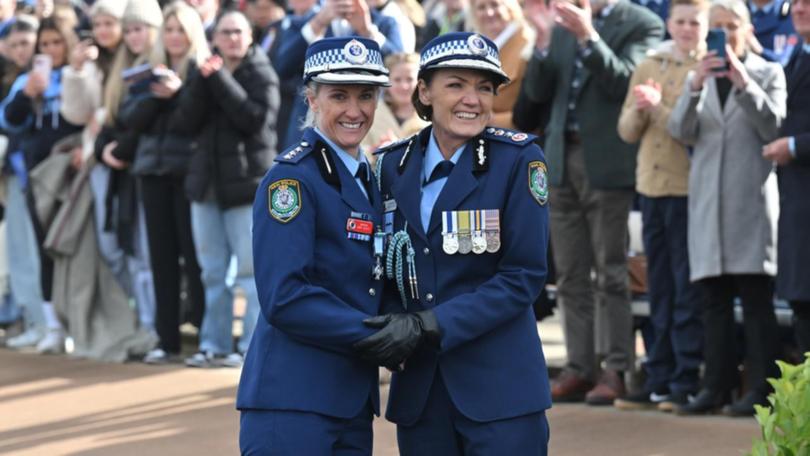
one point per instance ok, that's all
(609, 388)
(569, 387)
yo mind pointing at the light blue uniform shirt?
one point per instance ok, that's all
(431, 191)
(351, 162)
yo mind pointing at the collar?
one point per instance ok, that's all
(433, 156)
(348, 160)
(806, 48)
(767, 8)
(607, 9)
(506, 34)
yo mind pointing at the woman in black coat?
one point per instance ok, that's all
(232, 106)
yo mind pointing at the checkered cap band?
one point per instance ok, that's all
(335, 60)
(456, 49)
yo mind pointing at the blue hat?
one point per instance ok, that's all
(345, 60)
(462, 50)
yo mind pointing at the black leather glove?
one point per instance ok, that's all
(398, 337)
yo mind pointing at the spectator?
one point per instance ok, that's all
(7, 10)
(774, 36)
(263, 14)
(728, 116)
(115, 148)
(208, 11)
(31, 115)
(289, 78)
(19, 49)
(791, 153)
(502, 22)
(447, 16)
(396, 117)
(161, 162)
(583, 68)
(407, 32)
(334, 18)
(231, 106)
(662, 181)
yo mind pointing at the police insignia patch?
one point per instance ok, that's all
(284, 197)
(538, 181)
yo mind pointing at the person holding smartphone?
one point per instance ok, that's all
(729, 109)
(31, 115)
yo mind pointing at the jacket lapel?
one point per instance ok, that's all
(349, 190)
(797, 75)
(712, 101)
(460, 183)
(407, 189)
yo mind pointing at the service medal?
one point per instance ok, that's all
(464, 234)
(449, 237)
(493, 230)
(479, 241)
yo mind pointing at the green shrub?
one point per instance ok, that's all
(786, 424)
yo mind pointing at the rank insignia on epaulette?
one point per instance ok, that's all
(538, 181)
(284, 199)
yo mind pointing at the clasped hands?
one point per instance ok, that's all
(398, 337)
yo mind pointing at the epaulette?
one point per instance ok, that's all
(392, 146)
(508, 136)
(295, 153)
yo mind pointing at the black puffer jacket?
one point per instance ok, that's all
(234, 118)
(164, 148)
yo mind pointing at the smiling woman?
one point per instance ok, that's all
(343, 113)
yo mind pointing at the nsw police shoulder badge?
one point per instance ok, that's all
(284, 199)
(538, 181)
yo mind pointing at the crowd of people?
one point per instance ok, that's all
(136, 133)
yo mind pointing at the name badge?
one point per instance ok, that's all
(359, 229)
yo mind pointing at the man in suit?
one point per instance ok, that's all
(792, 153)
(582, 67)
(773, 29)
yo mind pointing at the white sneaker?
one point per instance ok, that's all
(30, 338)
(234, 360)
(52, 343)
(199, 359)
(157, 356)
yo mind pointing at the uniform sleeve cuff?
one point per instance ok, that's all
(792, 146)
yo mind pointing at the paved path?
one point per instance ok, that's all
(59, 406)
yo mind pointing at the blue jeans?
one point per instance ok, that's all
(133, 272)
(220, 234)
(23, 256)
(675, 355)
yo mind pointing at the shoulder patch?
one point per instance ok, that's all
(295, 153)
(393, 145)
(508, 136)
(538, 181)
(284, 199)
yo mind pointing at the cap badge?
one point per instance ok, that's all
(355, 52)
(477, 45)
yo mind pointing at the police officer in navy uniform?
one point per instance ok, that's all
(773, 29)
(465, 209)
(304, 390)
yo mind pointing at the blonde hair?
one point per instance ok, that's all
(392, 61)
(515, 13)
(192, 26)
(115, 88)
(735, 7)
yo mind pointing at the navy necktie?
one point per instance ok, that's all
(363, 174)
(441, 170)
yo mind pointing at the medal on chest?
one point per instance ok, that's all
(464, 233)
(449, 232)
(493, 230)
(479, 240)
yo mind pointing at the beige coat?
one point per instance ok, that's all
(386, 124)
(86, 295)
(663, 162)
(731, 223)
(81, 93)
(515, 54)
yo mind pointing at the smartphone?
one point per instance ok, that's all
(716, 41)
(86, 35)
(43, 64)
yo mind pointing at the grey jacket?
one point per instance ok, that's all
(731, 187)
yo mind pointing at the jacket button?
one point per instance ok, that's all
(429, 297)
(372, 291)
(426, 251)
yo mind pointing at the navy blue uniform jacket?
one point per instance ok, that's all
(794, 185)
(490, 358)
(315, 288)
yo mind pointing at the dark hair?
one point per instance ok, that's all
(54, 25)
(425, 112)
(23, 24)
